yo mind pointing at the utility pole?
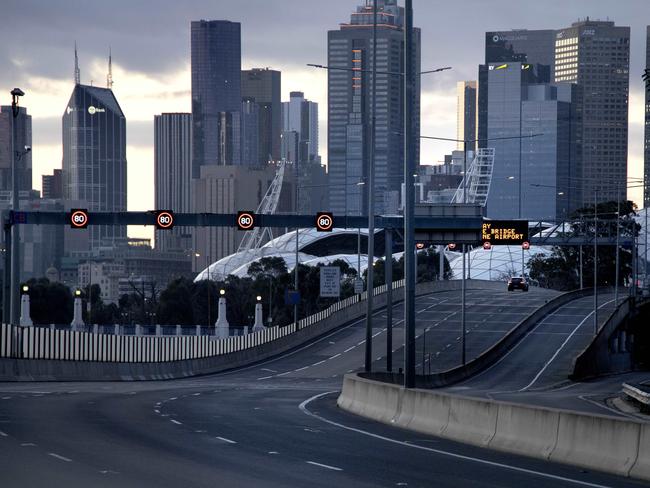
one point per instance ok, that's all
(409, 207)
(16, 93)
(595, 265)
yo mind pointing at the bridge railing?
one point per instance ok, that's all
(52, 343)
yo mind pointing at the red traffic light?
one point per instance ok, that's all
(164, 219)
(525, 245)
(451, 246)
(324, 221)
(487, 245)
(245, 220)
(419, 245)
(78, 218)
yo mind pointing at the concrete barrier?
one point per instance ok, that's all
(641, 468)
(598, 442)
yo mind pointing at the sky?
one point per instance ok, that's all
(150, 42)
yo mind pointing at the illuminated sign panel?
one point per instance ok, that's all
(79, 218)
(245, 220)
(505, 231)
(324, 221)
(164, 219)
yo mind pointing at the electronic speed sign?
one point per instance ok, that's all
(324, 221)
(164, 219)
(245, 220)
(505, 231)
(78, 218)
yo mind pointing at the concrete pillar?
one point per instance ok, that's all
(138, 330)
(77, 319)
(622, 341)
(25, 319)
(198, 330)
(95, 328)
(159, 330)
(52, 327)
(222, 325)
(259, 322)
(179, 330)
(116, 329)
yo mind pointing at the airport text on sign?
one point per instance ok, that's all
(505, 231)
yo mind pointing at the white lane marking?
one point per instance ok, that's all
(27, 444)
(375, 335)
(300, 369)
(196, 394)
(264, 378)
(3, 434)
(349, 349)
(6, 398)
(541, 371)
(228, 441)
(316, 364)
(269, 370)
(273, 452)
(173, 398)
(326, 466)
(58, 456)
(303, 408)
(335, 356)
(283, 374)
(176, 422)
(361, 342)
(157, 411)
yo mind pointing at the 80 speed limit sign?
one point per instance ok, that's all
(324, 221)
(78, 218)
(164, 219)
(245, 220)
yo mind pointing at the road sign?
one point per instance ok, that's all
(291, 297)
(164, 219)
(505, 231)
(330, 281)
(79, 218)
(487, 246)
(324, 221)
(245, 220)
(525, 245)
(358, 286)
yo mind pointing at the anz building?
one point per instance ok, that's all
(94, 158)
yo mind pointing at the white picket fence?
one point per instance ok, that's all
(46, 343)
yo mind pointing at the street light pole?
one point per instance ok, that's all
(463, 291)
(595, 265)
(409, 207)
(371, 198)
(16, 93)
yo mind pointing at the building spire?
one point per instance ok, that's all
(109, 76)
(77, 74)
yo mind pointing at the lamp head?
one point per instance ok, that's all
(17, 92)
(222, 292)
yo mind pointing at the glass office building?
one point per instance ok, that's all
(94, 157)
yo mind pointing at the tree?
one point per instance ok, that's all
(50, 303)
(175, 304)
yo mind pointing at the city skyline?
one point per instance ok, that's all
(148, 84)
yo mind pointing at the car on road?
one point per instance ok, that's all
(517, 283)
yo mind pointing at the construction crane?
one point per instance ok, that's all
(253, 239)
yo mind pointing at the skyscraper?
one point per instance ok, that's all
(172, 175)
(646, 152)
(466, 114)
(94, 157)
(350, 107)
(534, 47)
(531, 175)
(264, 86)
(595, 55)
(52, 185)
(216, 88)
(23, 138)
(300, 116)
(250, 128)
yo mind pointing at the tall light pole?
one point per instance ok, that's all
(16, 93)
(371, 196)
(409, 204)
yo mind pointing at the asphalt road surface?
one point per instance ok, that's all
(272, 424)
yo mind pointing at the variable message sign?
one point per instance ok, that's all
(505, 231)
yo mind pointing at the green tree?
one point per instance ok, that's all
(50, 303)
(175, 303)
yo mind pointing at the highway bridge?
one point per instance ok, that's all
(275, 423)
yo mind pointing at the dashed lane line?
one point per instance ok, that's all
(59, 457)
(227, 441)
(326, 466)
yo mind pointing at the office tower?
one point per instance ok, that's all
(534, 47)
(250, 116)
(350, 107)
(264, 86)
(172, 175)
(23, 139)
(531, 175)
(228, 189)
(646, 145)
(216, 88)
(52, 185)
(466, 114)
(94, 157)
(595, 55)
(300, 116)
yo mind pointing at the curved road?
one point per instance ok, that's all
(272, 424)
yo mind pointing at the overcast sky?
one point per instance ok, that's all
(151, 48)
